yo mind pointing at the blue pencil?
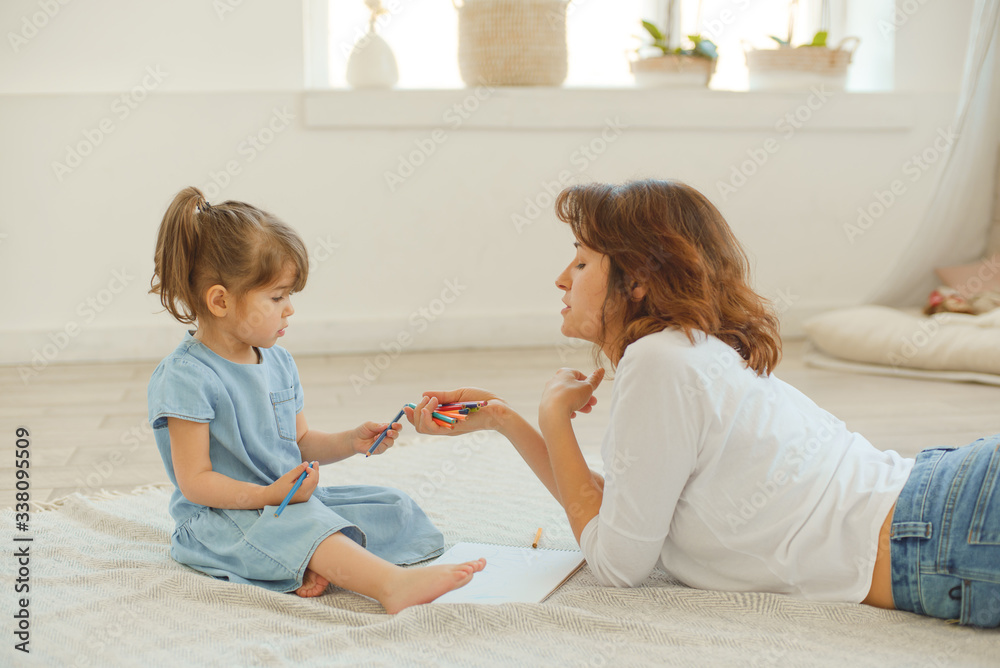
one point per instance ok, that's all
(381, 436)
(295, 488)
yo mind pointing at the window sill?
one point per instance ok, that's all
(509, 108)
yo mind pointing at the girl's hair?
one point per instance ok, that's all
(232, 244)
(667, 237)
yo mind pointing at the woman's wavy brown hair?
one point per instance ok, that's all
(667, 237)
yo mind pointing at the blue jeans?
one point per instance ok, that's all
(945, 535)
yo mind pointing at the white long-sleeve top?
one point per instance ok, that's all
(732, 481)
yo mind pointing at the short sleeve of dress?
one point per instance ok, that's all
(182, 389)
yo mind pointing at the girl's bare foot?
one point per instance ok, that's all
(313, 584)
(412, 586)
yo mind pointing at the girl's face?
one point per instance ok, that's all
(585, 282)
(265, 311)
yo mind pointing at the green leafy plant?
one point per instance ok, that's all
(703, 48)
(819, 39)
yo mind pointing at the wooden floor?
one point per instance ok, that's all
(89, 431)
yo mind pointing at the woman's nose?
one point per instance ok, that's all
(562, 280)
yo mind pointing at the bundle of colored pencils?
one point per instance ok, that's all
(448, 415)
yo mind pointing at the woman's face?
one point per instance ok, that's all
(585, 282)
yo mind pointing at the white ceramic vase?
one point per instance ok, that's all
(372, 63)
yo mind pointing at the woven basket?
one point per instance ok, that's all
(512, 42)
(672, 69)
(818, 61)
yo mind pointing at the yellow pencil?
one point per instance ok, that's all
(538, 535)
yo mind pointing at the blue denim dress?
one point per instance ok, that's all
(251, 410)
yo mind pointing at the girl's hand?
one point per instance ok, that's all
(283, 485)
(568, 393)
(487, 417)
(367, 433)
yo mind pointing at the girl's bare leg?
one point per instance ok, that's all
(341, 561)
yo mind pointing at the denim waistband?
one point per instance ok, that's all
(908, 522)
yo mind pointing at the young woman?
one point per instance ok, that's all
(714, 469)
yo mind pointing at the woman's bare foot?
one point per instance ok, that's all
(313, 584)
(413, 586)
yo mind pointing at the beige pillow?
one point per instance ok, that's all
(894, 338)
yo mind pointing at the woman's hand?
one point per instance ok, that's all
(366, 434)
(568, 393)
(487, 417)
(280, 488)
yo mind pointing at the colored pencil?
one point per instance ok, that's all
(538, 537)
(295, 488)
(385, 431)
(464, 404)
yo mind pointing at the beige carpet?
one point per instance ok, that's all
(104, 592)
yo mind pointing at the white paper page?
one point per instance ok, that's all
(512, 574)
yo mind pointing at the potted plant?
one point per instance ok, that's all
(663, 62)
(794, 67)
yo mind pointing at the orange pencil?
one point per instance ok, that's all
(538, 537)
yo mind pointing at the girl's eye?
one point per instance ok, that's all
(276, 299)
(581, 265)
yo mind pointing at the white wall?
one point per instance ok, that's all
(63, 236)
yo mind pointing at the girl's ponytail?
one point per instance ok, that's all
(176, 255)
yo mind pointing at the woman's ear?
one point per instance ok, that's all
(218, 300)
(638, 291)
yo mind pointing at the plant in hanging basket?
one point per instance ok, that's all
(671, 65)
(810, 64)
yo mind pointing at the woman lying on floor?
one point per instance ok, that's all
(715, 470)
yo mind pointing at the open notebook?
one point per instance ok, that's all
(512, 574)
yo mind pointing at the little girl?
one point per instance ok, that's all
(714, 469)
(226, 409)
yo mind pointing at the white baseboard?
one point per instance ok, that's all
(34, 350)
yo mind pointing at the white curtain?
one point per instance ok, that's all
(954, 228)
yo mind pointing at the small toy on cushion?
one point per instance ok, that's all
(950, 300)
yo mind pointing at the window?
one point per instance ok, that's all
(601, 36)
